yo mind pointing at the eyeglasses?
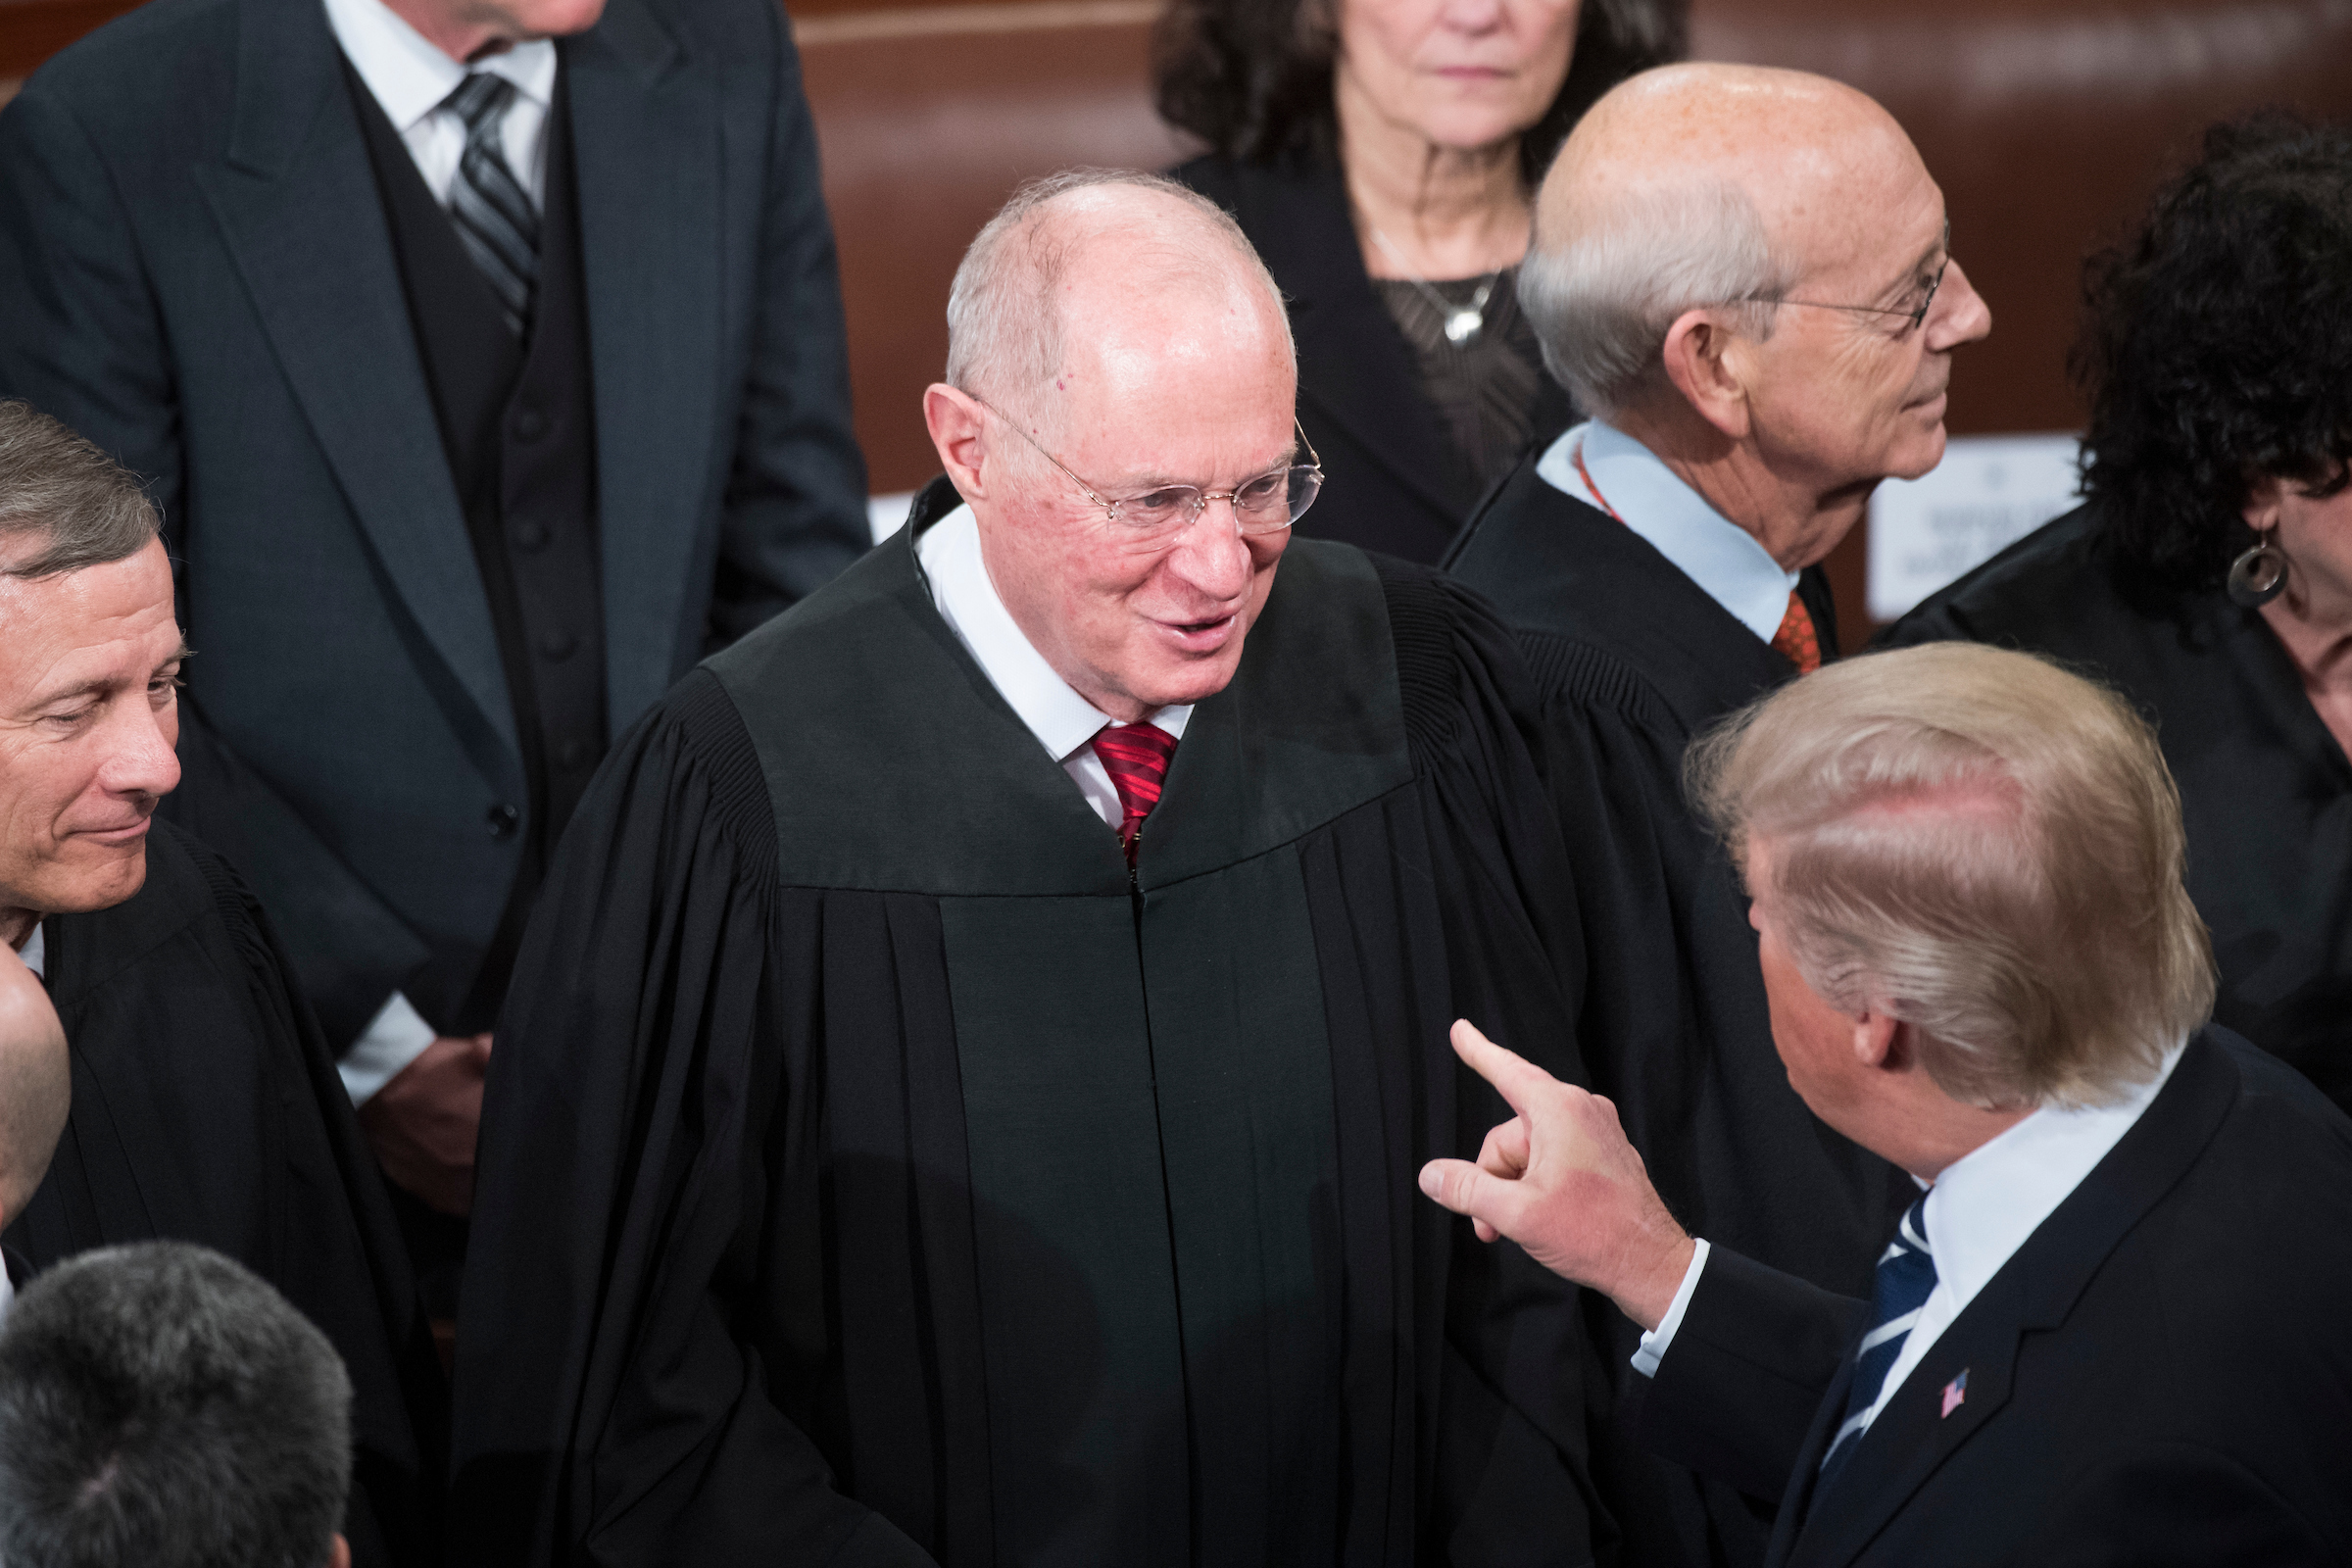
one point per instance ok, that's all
(1267, 504)
(1916, 316)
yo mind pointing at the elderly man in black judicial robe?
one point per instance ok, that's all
(962, 1090)
(1660, 566)
(204, 1106)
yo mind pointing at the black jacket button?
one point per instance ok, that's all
(505, 820)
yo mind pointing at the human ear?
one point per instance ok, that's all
(1882, 1041)
(1698, 360)
(2263, 500)
(956, 422)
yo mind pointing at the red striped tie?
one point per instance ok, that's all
(1135, 757)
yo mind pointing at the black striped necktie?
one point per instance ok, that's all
(493, 215)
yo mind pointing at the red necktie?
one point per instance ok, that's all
(1135, 757)
(1796, 641)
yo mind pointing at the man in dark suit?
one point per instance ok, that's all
(2106, 1331)
(488, 363)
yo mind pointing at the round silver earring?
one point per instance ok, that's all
(2259, 575)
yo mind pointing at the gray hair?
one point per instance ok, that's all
(70, 502)
(1985, 846)
(160, 1405)
(1005, 332)
(1601, 296)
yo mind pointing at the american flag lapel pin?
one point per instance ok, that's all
(1956, 1393)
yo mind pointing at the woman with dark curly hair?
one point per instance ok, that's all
(1381, 155)
(2209, 575)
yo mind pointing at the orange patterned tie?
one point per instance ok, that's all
(1796, 641)
(1135, 757)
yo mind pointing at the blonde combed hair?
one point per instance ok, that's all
(1981, 844)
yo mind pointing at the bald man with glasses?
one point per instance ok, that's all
(963, 1087)
(1746, 275)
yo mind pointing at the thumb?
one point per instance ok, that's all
(1461, 1185)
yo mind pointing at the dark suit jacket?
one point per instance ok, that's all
(2159, 1375)
(198, 275)
(1393, 481)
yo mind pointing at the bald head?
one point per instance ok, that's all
(1162, 279)
(35, 1084)
(1702, 186)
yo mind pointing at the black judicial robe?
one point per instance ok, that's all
(871, 1173)
(2266, 792)
(206, 1108)
(1632, 659)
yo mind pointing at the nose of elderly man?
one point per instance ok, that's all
(1213, 558)
(1961, 315)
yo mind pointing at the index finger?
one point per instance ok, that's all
(1513, 1076)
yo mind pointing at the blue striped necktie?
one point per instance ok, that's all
(494, 217)
(1906, 1278)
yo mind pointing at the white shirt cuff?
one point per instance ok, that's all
(1654, 1342)
(394, 1037)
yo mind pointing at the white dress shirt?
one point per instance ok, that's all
(1979, 1211)
(1723, 559)
(1063, 722)
(410, 79)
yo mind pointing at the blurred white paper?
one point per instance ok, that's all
(1988, 492)
(887, 514)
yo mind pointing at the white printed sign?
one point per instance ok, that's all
(1988, 492)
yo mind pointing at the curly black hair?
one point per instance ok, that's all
(2217, 347)
(1252, 77)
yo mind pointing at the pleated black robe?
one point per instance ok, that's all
(206, 1108)
(1633, 659)
(2266, 792)
(873, 1174)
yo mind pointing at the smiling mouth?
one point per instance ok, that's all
(129, 833)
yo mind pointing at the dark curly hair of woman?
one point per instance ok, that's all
(1252, 77)
(2217, 347)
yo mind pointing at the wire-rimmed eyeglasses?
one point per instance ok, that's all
(1267, 504)
(1915, 315)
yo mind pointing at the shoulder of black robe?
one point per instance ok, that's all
(2266, 792)
(1633, 659)
(728, 1267)
(206, 1108)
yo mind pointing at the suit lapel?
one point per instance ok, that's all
(648, 148)
(1353, 365)
(2033, 1292)
(297, 204)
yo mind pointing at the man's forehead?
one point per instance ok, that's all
(100, 624)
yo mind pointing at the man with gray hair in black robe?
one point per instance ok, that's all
(962, 1093)
(204, 1106)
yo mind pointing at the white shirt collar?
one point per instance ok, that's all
(1723, 559)
(1062, 721)
(1984, 1205)
(410, 78)
(34, 953)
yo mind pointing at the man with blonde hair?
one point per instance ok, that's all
(2106, 1329)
